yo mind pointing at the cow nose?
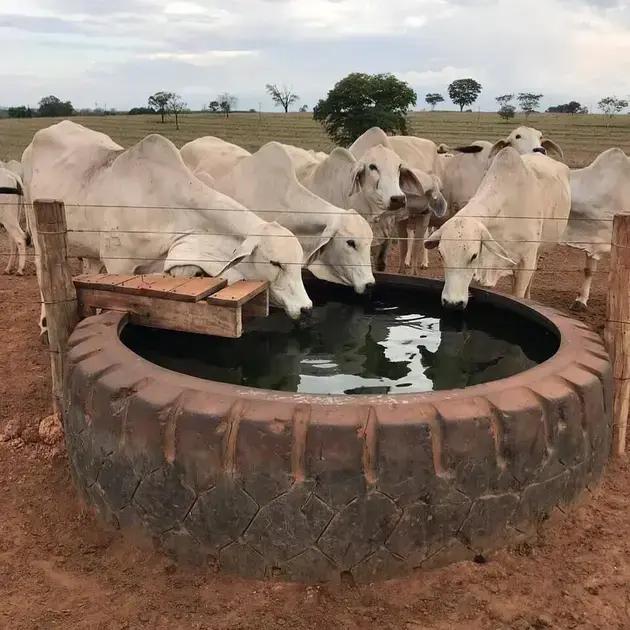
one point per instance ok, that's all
(454, 306)
(397, 201)
(540, 150)
(306, 311)
(369, 289)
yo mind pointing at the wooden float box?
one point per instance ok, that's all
(199, 305)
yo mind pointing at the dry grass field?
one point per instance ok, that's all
(582, 136)
(61, 568)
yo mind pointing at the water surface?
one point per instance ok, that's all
(398, 342)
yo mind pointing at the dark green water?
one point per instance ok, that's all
(398, 342)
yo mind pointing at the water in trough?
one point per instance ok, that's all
(398, 342)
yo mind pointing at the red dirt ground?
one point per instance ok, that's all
(61, 569)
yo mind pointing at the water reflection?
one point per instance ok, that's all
(355, 347)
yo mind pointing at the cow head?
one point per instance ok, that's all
(377, 175)
(527, 140)
(423, 192)
(342, 254)
(469, 252)
(274, 254)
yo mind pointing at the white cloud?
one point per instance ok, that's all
(430, 78)
(206, 58)
(184, 8)
(566, 49)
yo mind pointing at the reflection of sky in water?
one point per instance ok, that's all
(353, 347)
(405, 333)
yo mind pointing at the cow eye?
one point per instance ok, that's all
(373, 167)
(473, 257)
(352, 244)
(518, 136)
(275, 263)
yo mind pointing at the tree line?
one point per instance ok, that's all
(356, 103)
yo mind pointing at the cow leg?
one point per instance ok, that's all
(43, 328)
(522, 282)
(381, 256)
(18, 243)
(11, 257)
(405, 232)
(21, 246)
(420, 257)
(581, 301)
(528, 293)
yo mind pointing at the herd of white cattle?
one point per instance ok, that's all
(214, 208)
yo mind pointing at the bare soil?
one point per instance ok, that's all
(59, 568)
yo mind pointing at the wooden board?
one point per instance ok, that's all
(256, 307)
(238, 293)
(153, 285)
(197, 317)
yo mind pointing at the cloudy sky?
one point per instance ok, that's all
(117, 52)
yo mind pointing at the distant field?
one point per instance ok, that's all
(582, 137)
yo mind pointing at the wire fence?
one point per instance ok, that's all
(138, 261)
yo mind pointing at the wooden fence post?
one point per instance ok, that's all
(618, 327)
(57, 290)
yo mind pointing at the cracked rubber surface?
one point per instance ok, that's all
(308, 488)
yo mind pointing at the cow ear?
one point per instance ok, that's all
(550, 145)
(312, 256)
(410, 183)
(488, 242)
(473, 148)
(245, 249)
(498, 146)
(358, 179)
(434, 240)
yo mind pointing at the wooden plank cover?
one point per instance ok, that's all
(198, 317)
(238, 293)
(153, 285)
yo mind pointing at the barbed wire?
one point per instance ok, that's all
(334, 237)
(341, 212)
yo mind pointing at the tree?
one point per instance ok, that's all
(304, 108)
(572, 107)
(20, 112)
(360, 101)
(612, 105)
(52, 106)
(159, 102)
(176, 106)
(214, 107)
(227, 102)
(529, 102)
(506, 99)
(507, 112)
(433, 100)
(135, 111)
(464, 92)
(282, 96)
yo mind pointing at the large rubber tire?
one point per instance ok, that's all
(309, 487)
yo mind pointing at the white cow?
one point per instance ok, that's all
(461, 172)
(336, 241)
(212, 156)
(419, 180)
(521, 208)
(598, 192)
(527, 140)
(141, 210)
(11, 205)
(369, 184)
